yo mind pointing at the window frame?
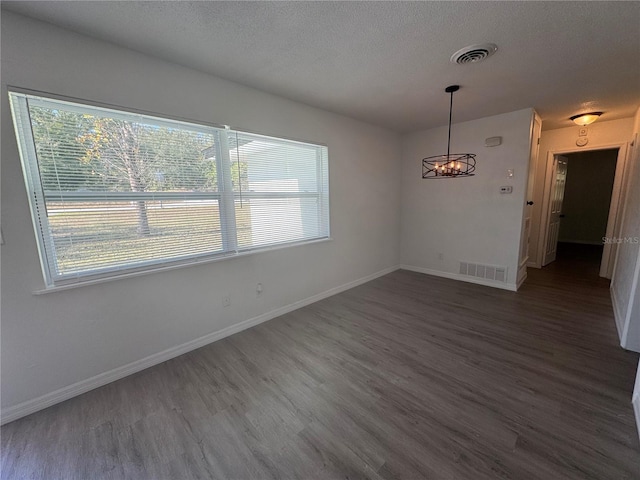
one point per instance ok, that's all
(225, 196)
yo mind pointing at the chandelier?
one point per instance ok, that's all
(451, 165)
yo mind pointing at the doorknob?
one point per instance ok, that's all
(529, 202)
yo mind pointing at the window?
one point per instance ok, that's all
(114, 192)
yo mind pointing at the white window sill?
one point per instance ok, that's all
(160, 268)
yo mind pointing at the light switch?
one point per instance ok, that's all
(510, 173)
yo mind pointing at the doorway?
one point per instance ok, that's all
(582, 208)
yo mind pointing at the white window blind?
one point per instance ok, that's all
(114, 192)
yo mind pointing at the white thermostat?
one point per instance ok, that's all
(582, 141)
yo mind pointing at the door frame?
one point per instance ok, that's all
(615, 211)
(535, 133)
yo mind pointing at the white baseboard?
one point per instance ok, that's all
(31, 406)
(462, 278)
(522, 274)
(636, 398)
(636, 409)
(617, 314)
(521, 281)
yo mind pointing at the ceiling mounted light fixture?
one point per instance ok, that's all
(585, 119)
(451, 165)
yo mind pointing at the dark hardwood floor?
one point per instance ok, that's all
(406, 377)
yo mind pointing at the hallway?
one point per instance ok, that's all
(576, 262)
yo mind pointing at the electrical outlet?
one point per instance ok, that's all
(440, 256)
(259, 290)
(226, 301)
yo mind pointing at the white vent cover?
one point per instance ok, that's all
(474, 53)
(487, 272)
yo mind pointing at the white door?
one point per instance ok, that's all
(526, 222)
(559, 176)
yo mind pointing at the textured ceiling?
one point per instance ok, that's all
(387, 63)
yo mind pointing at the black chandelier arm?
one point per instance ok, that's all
(450, 112)
(450, 89)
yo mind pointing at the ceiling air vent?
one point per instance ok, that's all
(474, 53)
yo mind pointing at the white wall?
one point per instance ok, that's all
(54, 340)
(600, 134)
(625, 284)
(466, 219)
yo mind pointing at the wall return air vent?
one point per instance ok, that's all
(487, 272)
(474, 53)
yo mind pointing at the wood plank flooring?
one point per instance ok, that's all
(406, 377)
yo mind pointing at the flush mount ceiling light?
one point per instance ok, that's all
(474, 53)
(451, 165)
(585, 118)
